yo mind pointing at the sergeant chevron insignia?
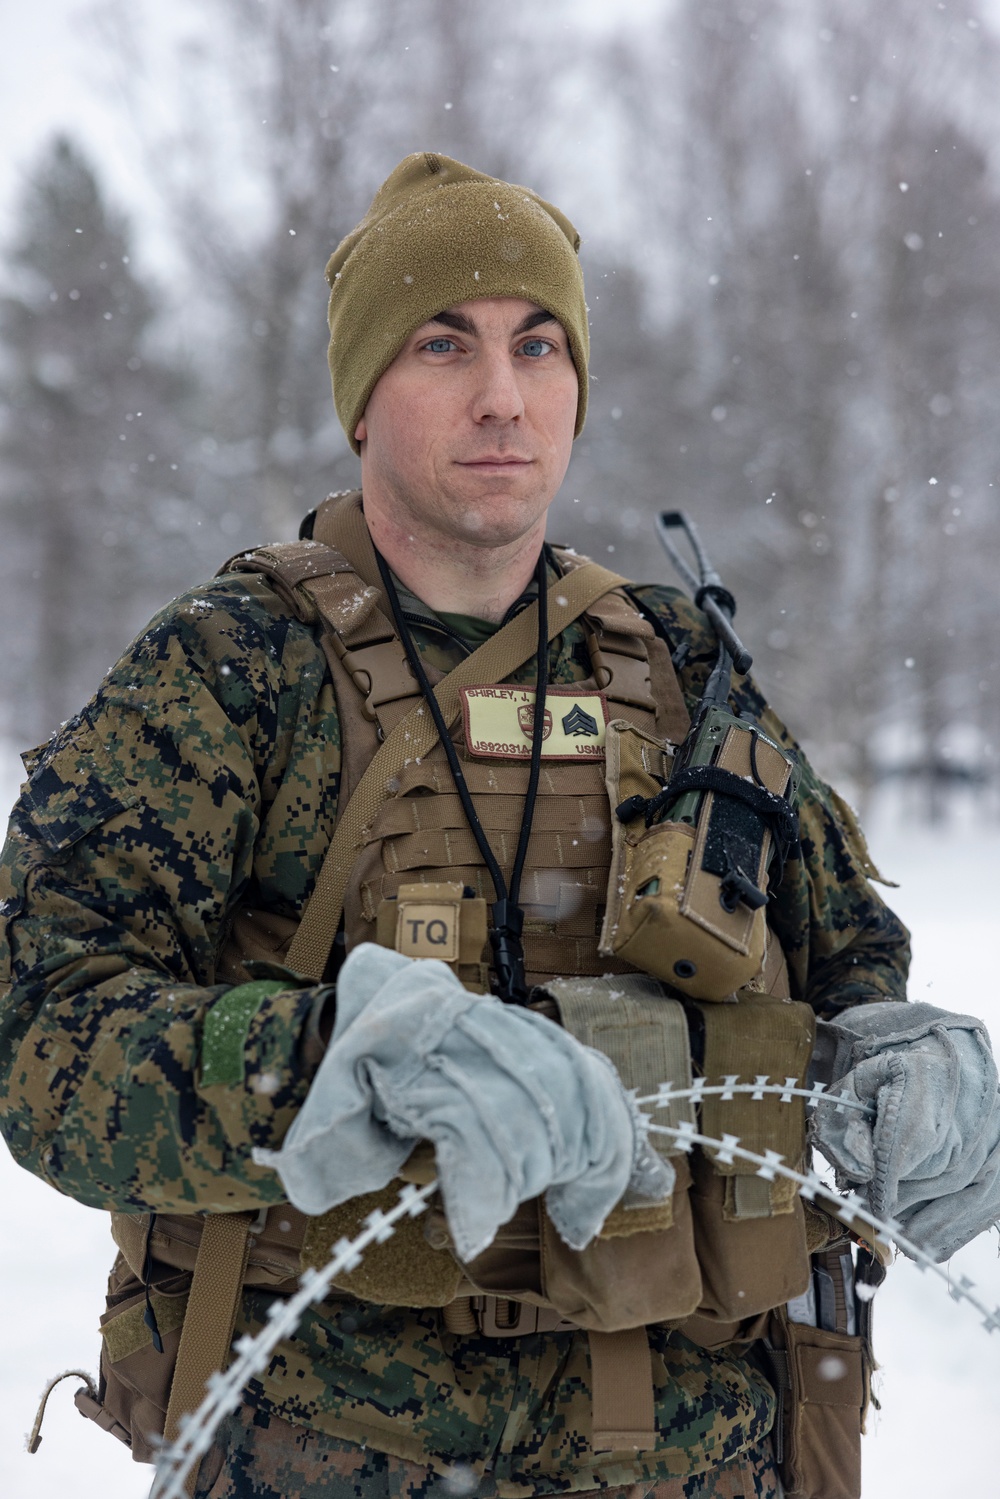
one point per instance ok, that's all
(577, 721)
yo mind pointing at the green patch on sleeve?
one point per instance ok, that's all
(227, 1026)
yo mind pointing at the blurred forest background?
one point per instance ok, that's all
(791, 221)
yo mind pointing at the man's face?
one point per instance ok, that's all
(469, 431)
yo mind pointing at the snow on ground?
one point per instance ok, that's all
(940, 1369)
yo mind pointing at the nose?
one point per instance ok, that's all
(498, 394)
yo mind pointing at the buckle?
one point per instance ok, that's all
(499, 1317)
(380, 671)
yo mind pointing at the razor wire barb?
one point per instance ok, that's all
(175, 1463)
(761, 1087)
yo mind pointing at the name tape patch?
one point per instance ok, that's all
(499, 721)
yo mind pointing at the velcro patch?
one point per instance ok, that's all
(426, 929)
(498, 723)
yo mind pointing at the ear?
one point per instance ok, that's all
(360, 431)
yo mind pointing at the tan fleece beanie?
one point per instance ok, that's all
(438, 233)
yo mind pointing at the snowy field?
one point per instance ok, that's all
(940, 1370)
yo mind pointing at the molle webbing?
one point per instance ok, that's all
(174, 1239)
(419, 836)
(411, 739)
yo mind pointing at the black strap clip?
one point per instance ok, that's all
(508, 952)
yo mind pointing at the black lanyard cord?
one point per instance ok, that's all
(508, 918)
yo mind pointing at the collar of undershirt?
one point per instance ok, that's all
(476, 629)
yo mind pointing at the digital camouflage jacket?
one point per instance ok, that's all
(205, 773)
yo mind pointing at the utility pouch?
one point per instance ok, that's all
(134, 1385)
(822, 1383)
(822, 1375)
(687, 897)
(749, 1261)
(821, 1439)
(649, 1274)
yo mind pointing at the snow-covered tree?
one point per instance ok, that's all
(85, 475)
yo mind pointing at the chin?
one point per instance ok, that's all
(496, 519)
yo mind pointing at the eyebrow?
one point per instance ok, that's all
(463, 324)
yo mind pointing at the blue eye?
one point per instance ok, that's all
(536, 347)
(439, 345)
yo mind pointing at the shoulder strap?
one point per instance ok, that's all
(340, 523)
(508, 649)
(288, 565)
(317, 581)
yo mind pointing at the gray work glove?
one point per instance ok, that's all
(931, 1156)
(514, 1105)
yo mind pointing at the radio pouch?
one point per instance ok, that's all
(687, 896)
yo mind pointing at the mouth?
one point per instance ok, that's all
(493, 463)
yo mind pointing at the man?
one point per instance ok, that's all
(161, 1036)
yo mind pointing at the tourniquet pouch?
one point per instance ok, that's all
(822, 1410)
(642, 1267)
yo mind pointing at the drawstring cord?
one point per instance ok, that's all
(508, 917)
